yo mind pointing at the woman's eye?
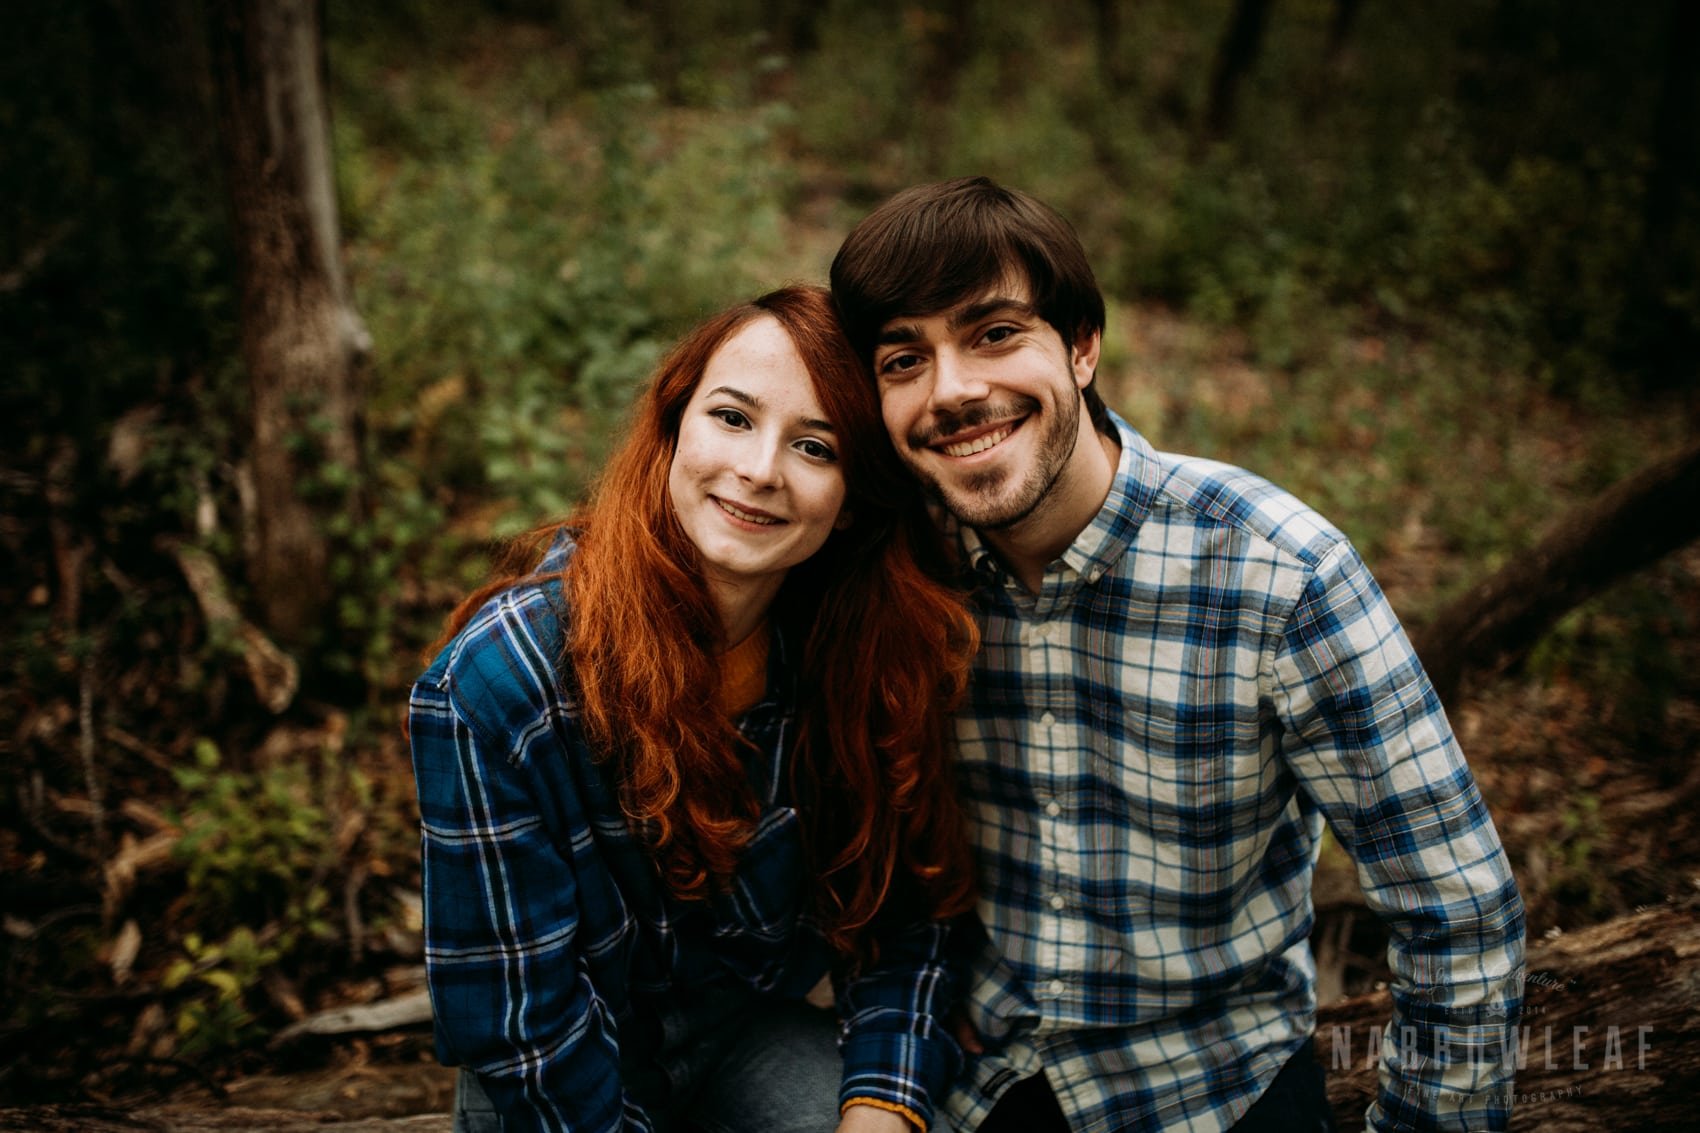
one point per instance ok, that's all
(816, 450)
(731, 417)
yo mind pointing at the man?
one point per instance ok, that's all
(1186, 673)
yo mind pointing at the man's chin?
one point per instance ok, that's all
(985, 511)
(981, 505)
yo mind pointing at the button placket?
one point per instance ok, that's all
(1052, 765)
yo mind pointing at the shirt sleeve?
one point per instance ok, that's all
(509, 990)
(897, 1051)
(1368, 740)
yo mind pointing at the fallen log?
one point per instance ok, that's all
(1610, 1035)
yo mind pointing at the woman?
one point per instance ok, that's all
(687, 751)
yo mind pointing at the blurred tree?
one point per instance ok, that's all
(946, 29)
(660, 18)
(1235, 57)
(795, 25)
(302, 339)
(1107, 36)
(1340, 32)
(1657, 327)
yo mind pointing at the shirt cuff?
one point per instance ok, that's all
(904, 1071)
(890, 1107)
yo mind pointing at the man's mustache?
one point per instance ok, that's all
(975, 417)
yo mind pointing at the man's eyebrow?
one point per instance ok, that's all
(964, 315)
(974, 312)
(756, 403)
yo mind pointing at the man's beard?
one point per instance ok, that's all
(976, 500)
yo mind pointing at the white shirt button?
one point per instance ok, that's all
(1053, 808)
(1043, 629)
(1048, 720)
(1056, 987)
(1057, 901)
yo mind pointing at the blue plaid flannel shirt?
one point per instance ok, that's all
(1155, 741)
(544, 917)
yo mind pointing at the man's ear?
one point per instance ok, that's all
(1083, 358)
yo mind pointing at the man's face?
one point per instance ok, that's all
(983, 403)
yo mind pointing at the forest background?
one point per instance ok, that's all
(1434, 267)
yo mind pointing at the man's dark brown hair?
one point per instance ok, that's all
(932, 247)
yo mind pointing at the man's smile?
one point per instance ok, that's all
(978, 430)
(971, 445)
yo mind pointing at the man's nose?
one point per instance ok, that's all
(956, 382)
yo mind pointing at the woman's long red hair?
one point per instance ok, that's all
(887, 645)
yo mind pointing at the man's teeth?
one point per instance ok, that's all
(747, 517)
(979, 444)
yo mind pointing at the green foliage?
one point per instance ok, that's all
(262, 852)
(216, 1016)
(257, 847)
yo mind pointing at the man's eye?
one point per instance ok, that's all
(900, 363)
(997, 334)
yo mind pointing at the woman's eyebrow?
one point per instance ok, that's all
(738, 395)
(756, 403)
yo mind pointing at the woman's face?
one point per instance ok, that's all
(755, 479)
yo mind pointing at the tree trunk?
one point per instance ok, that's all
(660, 20)
(302, 340)
(1237, 55)
(1675, 151)
(1340, 33)
(1635, 523)
(1610, 1035)
(795, 25)
(1107, 38)
(1656, 333)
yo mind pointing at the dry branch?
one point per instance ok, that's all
(273, 673)
(412, 1009)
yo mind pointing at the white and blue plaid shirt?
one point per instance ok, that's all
(1154, 743)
